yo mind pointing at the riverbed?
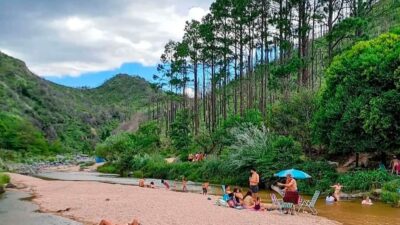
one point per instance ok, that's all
(347, 212)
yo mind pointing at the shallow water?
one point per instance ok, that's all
(346, 212)
(16, 211)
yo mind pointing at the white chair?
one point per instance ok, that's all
(310, 204)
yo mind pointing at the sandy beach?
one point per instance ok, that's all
(89, 202)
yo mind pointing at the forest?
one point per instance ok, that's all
(277, 84)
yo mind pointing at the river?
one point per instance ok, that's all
(346, 212)
(15, 209)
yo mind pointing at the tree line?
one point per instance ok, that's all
(246, 54)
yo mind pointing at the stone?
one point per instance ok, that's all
(10, 185)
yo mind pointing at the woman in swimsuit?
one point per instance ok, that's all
(238, 196)
(248, 201)
(338, 189)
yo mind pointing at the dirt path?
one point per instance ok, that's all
(89, 202)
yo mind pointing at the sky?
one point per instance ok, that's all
(85, 42)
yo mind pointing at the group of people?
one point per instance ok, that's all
(251, 200)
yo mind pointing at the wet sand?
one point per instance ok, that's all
(14, 210)
(89, 202)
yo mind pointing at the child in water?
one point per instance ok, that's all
(367, 201)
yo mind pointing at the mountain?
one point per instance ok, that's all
(78, 118)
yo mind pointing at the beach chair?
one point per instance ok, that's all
(310, 203)
(288, 206)
(276, 202)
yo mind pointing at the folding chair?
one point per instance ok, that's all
(311, 203)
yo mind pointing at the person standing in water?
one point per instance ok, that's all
(205, 187)
(338, 189)
(184, 184)
(165, 183)
(291, 193)
(254, 180)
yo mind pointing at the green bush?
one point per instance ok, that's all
(121, 149)
(20, 135)
(293, 117)
(261, 149)
(358, 104)
(363, 180)
(391, 192)
(138, 174)
(108, 168)
(322, 175)
(4, 179)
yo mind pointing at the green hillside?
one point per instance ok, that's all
(76, 118)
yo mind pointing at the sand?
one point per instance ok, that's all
(89, 202)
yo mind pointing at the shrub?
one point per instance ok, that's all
(391, 192)
(138, 174)
(293, 117)
(259, 148)
(4, 179)
(322, 175)
(364, 180)
(107, 168)
(359, 102)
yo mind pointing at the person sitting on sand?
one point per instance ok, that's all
(204, 186)
(141, 182)
(257, 204)
(165, 183)
(330, 198)
(184, 184)
(337, 192)
(248, 201)
(106, 222)
(238, 196)
(367, 201)
(151, 185)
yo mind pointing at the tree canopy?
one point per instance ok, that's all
(358, 109)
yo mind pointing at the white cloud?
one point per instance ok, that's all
(189, 92)
(58, 38)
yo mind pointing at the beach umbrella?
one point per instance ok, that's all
(298, 174)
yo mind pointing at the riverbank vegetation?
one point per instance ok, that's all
(4, 179)
(272, 93)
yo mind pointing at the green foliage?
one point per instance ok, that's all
(358, 106)
(77, 118)
(223, 137)
(391, 192)
(20, 135)
(261, 149)
(180, 131)
(108, 168)
(322, 175)
(4, 179)
(364, 180)
(294, 117)
(122, 148)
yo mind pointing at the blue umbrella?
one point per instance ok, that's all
(298, 174)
